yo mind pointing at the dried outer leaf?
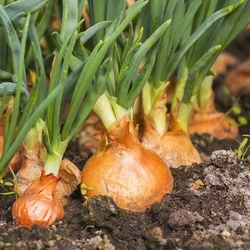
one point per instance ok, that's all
(213, 122)
(86, 18)
(31, 167)
(70, 178)
(16, 161)
(91, 133)
(199, 184)
(33, 157)
(175, 147)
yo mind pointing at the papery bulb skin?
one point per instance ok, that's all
(163, 133)
(134, 177)
(30, 169)
(38, 205)
(174, 147)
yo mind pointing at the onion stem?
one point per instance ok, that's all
(52, 163)
(154, 106)
(34, 134)
(205, 91)
(108, 110)
(179, 87)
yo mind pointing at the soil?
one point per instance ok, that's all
(209, 208)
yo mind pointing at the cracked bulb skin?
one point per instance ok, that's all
(133, 176)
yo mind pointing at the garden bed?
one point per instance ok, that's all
(208, 209)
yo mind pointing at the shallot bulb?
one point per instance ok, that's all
(124, 170)
(38, 204)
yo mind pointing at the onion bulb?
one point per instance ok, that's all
(38, 204)
(162, 132)
(174, 147)
(133, 176)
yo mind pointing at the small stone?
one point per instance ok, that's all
(235, 216)
(156, 235)
(180, 219)
(225, 233)
(212, 180)
(198, 217)
(233, 225)
(238, 243)
(222, 157)
(51, 243)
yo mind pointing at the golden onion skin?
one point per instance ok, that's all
(174, 147)
(38, 204)
(133, 176)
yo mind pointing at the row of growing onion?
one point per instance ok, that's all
(199, 32)
(103, 68)
(113, 171)
(74, 84)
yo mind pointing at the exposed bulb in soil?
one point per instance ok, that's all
(124, 170)
(38, 204)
